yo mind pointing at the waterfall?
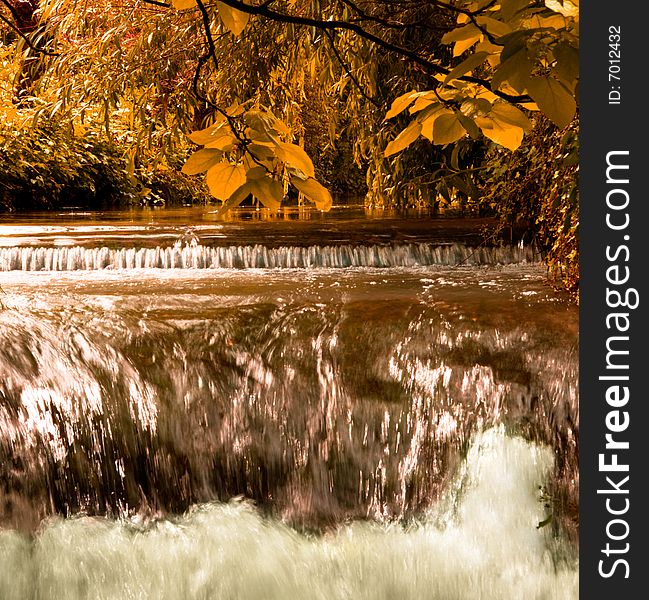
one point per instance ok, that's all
(197, 256)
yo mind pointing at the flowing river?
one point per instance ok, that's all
(333, 407)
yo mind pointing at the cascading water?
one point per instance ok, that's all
(403, 428)
(196, 256)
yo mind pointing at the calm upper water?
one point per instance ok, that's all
(316, 406)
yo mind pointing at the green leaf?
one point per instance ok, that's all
(235, 20)
(404, 139)
(296, 157)
(467, 65)
(316, 192)
(262, 151)
(553, 100)
(455, 155)
(447, 129)
(513, 43)
(442, 189)
(268, 191)
(472, 107)
(400, 104)
(201, 161)
(223, 179)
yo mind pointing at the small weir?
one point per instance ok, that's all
(197, 256)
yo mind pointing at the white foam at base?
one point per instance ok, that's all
(481, 543)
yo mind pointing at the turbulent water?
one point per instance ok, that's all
(482, 543)
(394, 419)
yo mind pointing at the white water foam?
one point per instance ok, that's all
(480, 543)
(197, 256)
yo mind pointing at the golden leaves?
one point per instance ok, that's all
(234, 20)
(244, 155)
(223, 179)
(314, 191)
(553, 99)
(404, 139)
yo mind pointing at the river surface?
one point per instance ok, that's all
(339, 406)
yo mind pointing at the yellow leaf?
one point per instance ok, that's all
(225, 142)
(487, 46)
(183, 4)
(515, 70)
(447, 129)
(268, 191)
(486, 94)
(554, 100)
(463, 45)
(428, 122)
(510, 114)
(235, 20)
(421, 103)
(466, 32)
(201, 161)
(316, 192)
(255, 173)
(296, 157)
(400, 104)
(239, 195)
(464, 37)
(504, 134)
(223, 179)
(207, 135)
(494, 27)
(467, 65)
(404, 139)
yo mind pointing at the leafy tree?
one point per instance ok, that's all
(425, 87)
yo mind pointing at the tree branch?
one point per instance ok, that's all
(471, 16)
(211, 53)
(26, 38)
(344, 65)
(333, 25)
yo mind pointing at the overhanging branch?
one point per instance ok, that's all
(264, 10)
